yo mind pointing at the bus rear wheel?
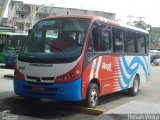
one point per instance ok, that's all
(135, 88)
(92, 96)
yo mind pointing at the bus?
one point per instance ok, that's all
(3, 38)
(12, 47)
(90, 57)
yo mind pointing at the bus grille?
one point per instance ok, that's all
(40, 79)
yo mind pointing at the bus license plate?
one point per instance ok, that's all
(38, 88)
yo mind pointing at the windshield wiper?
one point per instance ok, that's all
(50, 44)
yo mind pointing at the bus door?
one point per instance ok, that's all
(108, 64)
(119, 50)
(98, 61)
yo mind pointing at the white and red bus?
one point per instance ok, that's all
(80, 58)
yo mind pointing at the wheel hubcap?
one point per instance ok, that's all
(93, 97)
(136, 85)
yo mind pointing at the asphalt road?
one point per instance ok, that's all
(114, 106)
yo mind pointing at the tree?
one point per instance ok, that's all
(154, 35)
(141, 24)
(154, 32)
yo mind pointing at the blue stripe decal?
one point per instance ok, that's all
(130, 70)
(147, 76)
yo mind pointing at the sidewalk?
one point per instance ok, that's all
(136, 107)
(6, 84)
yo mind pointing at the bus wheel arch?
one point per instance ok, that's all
(92, 94)
(135, 86)
(96, 81)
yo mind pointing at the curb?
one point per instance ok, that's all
(90, 111)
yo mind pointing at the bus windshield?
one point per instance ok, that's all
(15, 42)
(60, 38)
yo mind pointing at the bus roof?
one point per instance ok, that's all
(102, 19)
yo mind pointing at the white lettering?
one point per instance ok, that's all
(135, 117)
(151, 117)
(107, 67)
(143, 116)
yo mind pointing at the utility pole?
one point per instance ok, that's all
(140, 18)
(130, 18)
(140, 21)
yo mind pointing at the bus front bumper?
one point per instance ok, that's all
(58, 91)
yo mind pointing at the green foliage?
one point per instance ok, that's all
(154, 34)
(141, 24)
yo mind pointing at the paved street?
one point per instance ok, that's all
(147, 101)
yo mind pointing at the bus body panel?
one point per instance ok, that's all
(63, 91)
(45, 70)
(31, 87)
(115, 72)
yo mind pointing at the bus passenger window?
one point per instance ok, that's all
(106, 40)
(118, 40)
(141, 43)
(147, 43)
(131, 42)
(100, 39)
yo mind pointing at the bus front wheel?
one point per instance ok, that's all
(92, 96)
(135, 88)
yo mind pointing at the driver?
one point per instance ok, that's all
(63, 42)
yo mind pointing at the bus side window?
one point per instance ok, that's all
(141, 43)
(147, 43)
(96, 39)
(90, 43)
(118, 40)
(106, 40)
(93, 41)
(100, 39)
(131, 42)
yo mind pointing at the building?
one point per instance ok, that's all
(4, 23)
(24, 16)
(3, 4)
